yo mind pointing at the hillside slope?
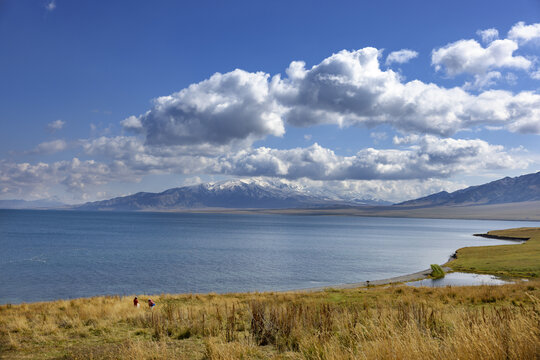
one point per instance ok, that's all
(506, 190)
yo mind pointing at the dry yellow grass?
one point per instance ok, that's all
(485, 322)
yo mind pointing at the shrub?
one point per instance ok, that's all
(437, 271)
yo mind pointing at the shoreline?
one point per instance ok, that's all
(419, 275)
(500, 237)
(523, 211)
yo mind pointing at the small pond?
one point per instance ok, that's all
(460, 279)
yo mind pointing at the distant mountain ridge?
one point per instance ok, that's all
(34, 204)
(506, 190)
(234, 194)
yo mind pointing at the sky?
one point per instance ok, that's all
(388, 100)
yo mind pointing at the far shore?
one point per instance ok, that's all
(524, 211)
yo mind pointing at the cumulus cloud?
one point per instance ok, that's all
(401, 56)
(129, 159)
(349, 88)
(488, 35)
(468, 56)
(55, 125)
(524, 33)
(132, 123)
(224, 109)
(483, 81)
(429, 157)
(74, 174)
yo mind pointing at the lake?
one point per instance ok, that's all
(49, 255)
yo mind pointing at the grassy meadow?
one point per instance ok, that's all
(522, 260)
(384, 322)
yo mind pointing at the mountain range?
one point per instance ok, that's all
(34, 204)
(234, 194)
(506, 190)
(259, 193)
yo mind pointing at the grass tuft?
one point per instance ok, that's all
(437, 271)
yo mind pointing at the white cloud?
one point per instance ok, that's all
(74, 174)
(488, 35)
(524, 33)
(390, 190)
(511, 78)
(536, 74)
(234, 109)
(430, 157)
(483, 81)
(525, 108)
(129, 159)
(55, 125)
(132, 123)
(349, 88)
(138, 159)
(226, 109)
(378, 136)
(401, 56)
(468, 56)
(51, 5)
(195, 180)
(49, 147)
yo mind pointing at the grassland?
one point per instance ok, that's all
(521, 260)
(485, 322)
(391, 322)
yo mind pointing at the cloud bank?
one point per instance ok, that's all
(346, 89)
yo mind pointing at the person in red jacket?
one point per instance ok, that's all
(136, 302)
(151, 303)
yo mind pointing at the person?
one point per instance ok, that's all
(136, 302)
(151, 304)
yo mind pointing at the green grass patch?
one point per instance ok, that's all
(520, 260)
(437, 271)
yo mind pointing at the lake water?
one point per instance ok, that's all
(48, 255)
(460, 279)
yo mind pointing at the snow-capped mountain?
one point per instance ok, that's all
(255, 193)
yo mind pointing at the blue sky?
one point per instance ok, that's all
(385, 99)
